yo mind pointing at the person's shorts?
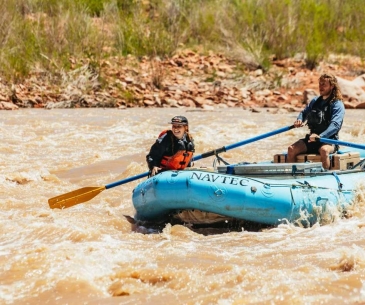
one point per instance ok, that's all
(313, 147)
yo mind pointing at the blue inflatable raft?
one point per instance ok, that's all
(265, 193)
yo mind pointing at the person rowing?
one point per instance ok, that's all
(324, 116)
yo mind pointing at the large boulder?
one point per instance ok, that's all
(8, 106)
(351, 90)
(360, 81)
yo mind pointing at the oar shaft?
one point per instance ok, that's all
(263, 136)
(209, 153)
(336, 142)
(244, 142)
(113, 184)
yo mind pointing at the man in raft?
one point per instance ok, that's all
(324, 116)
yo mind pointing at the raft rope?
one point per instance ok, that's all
(340, 185)
(304, 184)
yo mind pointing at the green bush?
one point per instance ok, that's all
(46, 33)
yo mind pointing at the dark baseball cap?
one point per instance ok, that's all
(179, 120)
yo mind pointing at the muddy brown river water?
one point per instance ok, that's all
(89, 254)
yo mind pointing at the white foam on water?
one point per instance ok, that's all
(90, 253)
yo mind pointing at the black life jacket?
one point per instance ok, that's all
(319, 118)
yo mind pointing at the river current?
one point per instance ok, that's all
(90, 254)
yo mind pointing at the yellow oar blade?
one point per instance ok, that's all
(75, 197)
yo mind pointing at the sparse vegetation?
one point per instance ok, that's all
(157, 75)
(45, 34)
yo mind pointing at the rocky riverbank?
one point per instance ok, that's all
(185, 80)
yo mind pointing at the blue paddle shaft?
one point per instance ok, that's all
(116, 183)
(228, 147)
(336, 142)
(208, 154)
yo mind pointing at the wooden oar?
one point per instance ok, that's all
(336, 142)
(87, 193)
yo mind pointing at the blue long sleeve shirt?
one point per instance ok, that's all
(337, 110)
